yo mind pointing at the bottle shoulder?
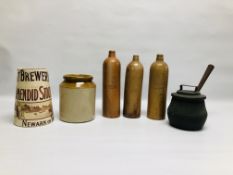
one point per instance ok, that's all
(159, 65)
(113, 60)
(135, 65)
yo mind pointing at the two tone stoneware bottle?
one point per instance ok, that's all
(157, 89)
(111, 86)
(133, 89)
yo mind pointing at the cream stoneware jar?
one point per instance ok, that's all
(77, 98)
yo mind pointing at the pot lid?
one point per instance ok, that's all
(188, 94)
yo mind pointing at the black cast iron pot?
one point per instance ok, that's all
(187, 110)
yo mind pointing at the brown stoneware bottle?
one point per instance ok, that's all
(111, 86)
(133, 88)
(157, 89)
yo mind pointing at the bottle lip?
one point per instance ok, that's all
(77, 78)
(159, 57)
(112, 53)
(135, 57)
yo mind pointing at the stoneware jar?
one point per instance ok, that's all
(77, 98)
(33, 105)
(187, 110)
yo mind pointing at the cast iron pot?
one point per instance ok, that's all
(187, 109)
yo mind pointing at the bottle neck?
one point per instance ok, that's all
(136, 58)
(160, 58)
(112, 53)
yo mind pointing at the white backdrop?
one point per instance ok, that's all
(74, 36)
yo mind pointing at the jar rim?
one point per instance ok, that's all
(77, 77)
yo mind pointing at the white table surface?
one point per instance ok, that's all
(117, 146)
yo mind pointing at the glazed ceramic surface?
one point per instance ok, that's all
(33, 106)
(77, 98)
(157, 89)
(111, 86)
(133, 88)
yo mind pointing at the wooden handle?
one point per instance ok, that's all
(208, 71)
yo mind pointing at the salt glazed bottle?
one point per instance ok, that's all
(111, 86)
(133, 88)
(157, 89)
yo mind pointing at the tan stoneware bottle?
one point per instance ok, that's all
(157, 89)
(133, 88)
(111, 86)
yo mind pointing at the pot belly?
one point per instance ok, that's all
(187, 115)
